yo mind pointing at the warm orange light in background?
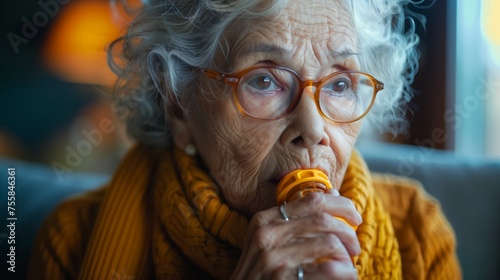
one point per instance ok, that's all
(76, 45)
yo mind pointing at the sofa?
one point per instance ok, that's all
(467, 188)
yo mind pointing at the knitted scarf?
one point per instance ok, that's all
(172, 223)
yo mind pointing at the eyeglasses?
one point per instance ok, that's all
(271, 92)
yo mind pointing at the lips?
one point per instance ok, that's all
(277, 178)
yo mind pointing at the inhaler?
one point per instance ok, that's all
(302, 182)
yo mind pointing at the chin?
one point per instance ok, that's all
(263, 198)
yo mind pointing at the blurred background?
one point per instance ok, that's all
(55, 87)
(56, 109)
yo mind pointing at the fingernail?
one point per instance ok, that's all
(360, 219)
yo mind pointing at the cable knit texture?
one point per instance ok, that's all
(162, 217)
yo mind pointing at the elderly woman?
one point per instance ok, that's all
(225, 98)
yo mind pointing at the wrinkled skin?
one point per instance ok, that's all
(248, 157)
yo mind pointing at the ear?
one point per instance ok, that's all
(181, 133)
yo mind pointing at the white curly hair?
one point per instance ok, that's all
(167, 39)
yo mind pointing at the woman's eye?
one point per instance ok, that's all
(339, 86)
(262, 82)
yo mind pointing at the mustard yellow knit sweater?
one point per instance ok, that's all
(161, 217)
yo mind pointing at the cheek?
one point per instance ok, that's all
(239, 153)
(342, 140)
(233, 148)
(240, 165)
(351, 132)
(343, 137)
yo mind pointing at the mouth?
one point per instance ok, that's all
(279, 176)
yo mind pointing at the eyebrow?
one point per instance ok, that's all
(265, 48)
(269, 48)
(344, 54)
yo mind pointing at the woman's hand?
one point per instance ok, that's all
(275, 248)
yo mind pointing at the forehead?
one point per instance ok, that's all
(322, 30)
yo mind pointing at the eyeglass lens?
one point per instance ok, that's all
(269, 93)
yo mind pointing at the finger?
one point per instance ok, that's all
(311, 205)
(311, 227)
(274, 238)
(334, 269)
(283, 262)
(253, 247)
(262, 219)
(282, 234)
(337, 206)
(279, 235)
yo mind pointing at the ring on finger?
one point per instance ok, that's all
(300, 273)
(283, 213)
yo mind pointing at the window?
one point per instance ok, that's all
(472, 114)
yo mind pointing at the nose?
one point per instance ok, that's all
(306, 127)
